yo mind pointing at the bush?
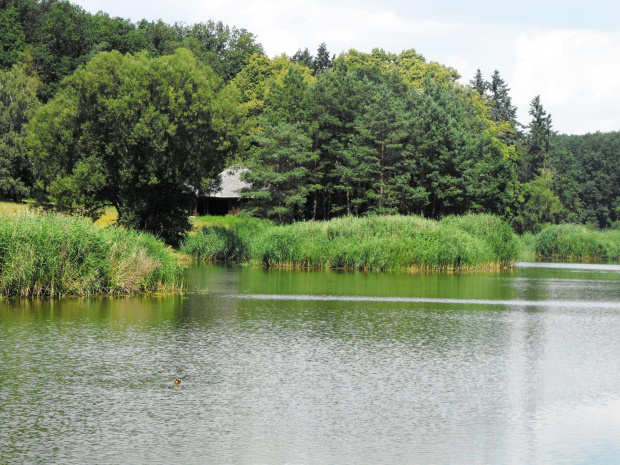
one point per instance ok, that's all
(377, 242)
(53, 255)
(578, 242)
(527, 246)
(233, 241)
(493, 231)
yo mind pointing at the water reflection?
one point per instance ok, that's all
(386, 369)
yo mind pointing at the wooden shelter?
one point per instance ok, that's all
(224, 201)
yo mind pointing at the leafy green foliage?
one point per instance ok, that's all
(132, 132)
(303, 57)
(364, 133)
(61, 36)
(226, 50)
(538, 141)
(593, 175)
(496, 232)
(232, 241)
(365, 141)
(18, 101)
(278, 173)
(323, 60)
(501, 103)
(12, 38)
(478, 83)
(52, 255)
(573, 241)
(542, 206)
(375, 242)
(279, 165)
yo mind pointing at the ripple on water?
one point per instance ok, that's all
(309, 379)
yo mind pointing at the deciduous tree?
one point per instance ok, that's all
(18, 102)
(133, 132)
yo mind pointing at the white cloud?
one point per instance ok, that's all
(285, 26)
(575, 73)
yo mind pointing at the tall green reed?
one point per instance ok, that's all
(578, 242)
(53, 255)
(377, 242)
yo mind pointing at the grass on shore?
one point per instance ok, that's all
(12, 208)
(53, 255)
(527, 246)
(108, 218)
(377, 243)
(571, 241)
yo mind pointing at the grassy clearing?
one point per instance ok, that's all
(227, 221)
(570, 241)
(377, 243)
(12, 208)
(52, 255)
(108, 218)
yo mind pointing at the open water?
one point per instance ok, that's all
(301, 367)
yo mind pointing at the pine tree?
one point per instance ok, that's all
(478, 83)
(502, 109)
(382, 135)
(339, 98)
(279, 173)
(303, 58)
(282, 158)
(323, 59)
(538, 141)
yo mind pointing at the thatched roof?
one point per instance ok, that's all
(231, 184)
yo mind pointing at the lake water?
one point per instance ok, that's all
(513, 367)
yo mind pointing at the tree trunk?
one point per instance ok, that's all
(314, 207)
(348, 204)
(381, 188)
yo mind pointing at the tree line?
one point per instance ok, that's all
(98, 111)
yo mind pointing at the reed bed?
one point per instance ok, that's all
(52, 255)
(570, 241)
(370, 243)
(225, 240)
(527, 247)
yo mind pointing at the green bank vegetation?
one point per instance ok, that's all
(126, 123)
(100, 111)
(52, 255)
(570, 241)
(12, 208)
(374, 243)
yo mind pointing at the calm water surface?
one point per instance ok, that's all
(514, 367)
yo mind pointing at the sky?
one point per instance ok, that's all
(566, 51)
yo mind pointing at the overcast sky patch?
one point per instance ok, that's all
(568, 53)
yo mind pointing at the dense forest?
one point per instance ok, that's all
(98, 111)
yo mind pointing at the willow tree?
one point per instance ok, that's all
(133, 132)
(18, 101)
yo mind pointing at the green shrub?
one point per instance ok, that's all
(215, 243)
(52, 255)
(233, 240)
(527, 246)
(493, 231)
(578, 242)
(376, 242)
